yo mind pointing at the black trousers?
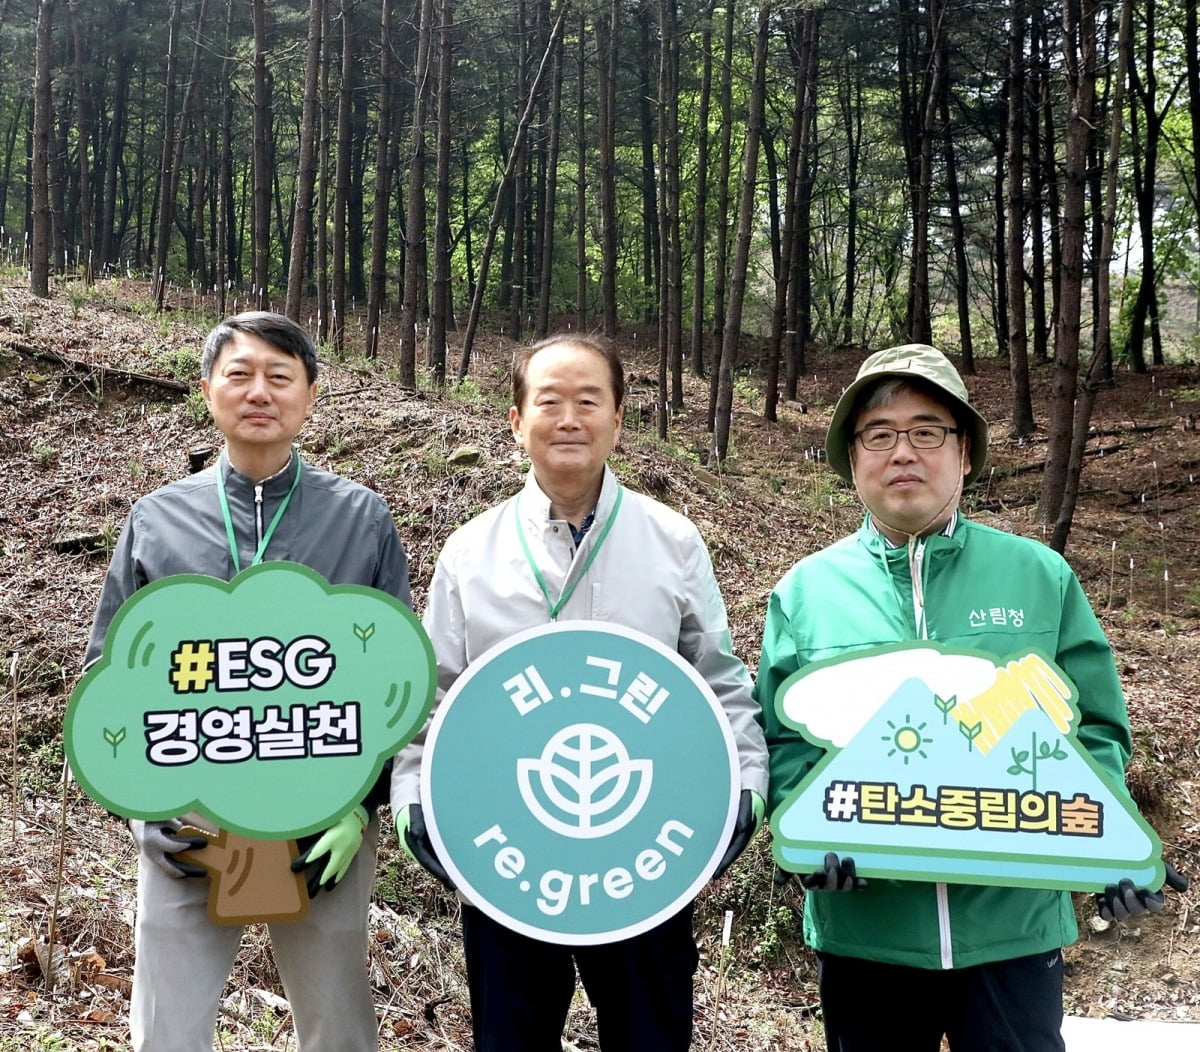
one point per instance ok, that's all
(521, 988)
(1005, 1006)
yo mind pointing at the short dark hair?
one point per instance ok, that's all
(889, 388)
(585, 341)
(280, 332)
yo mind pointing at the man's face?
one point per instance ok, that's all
(258, 395)
(909, 490)
(569, 422)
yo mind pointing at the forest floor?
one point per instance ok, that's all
(98, 406)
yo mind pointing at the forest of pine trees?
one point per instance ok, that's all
(814, 173)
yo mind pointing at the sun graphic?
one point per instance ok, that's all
(907, 740)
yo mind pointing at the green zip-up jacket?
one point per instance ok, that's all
(983, 589)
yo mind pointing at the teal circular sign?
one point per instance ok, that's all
(580, 782)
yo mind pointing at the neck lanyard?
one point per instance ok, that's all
(552, 608)
(229, 531)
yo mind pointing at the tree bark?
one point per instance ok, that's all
(261, 237)
(721, 248)
(741, 261)
(549, 208)
(1079, 51)
(377, 287)
(414, 227)
(442, 308)
(1018, 345)
(341, 182)
(464, 364)
(700, 192)
(1102, 349)
(306, 169)
(606, 118)
(43, 120)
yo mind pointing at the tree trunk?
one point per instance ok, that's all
(321, 247)
(83, 118)
(962, 289)
(549, 209)
(306, 169)
(377, 288)
(1039, 75)
(261, 237)
(341, 181)
(1079, 52)
(464, 363)
(414, 226)
(226, 262)
(721, 248)
(520, 189)
(1143, 82)
(606, 120)
(1102, 351)
(700, 206)
(43, 119)
(442, 308)
(166, 202)
(1191, 51)
(1018, 346)
(741, 261)
(670, 298)
(648, 175)
(581, 184)
(920, 320)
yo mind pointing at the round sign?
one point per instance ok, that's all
(580, 782)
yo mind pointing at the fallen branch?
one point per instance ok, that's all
(101, 372)
(1040, 465)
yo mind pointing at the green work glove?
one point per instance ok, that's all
(340, 842)
(751, 808)
(415, 842)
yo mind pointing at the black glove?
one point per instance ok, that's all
(158, 842)
(837, 875)
(415, 842)
(1122, 901)
(749, 818)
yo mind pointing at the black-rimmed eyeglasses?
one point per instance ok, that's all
(924, 436)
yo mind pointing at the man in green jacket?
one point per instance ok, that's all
(902, 963)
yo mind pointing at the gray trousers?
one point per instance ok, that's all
(183, 961)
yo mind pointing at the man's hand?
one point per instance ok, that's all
(158, 842)
(837, 875)
(415, 842)
(340, 842)
(1122, 900)
(751, 807)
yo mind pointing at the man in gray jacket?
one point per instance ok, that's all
(559, 550)
(258, 375)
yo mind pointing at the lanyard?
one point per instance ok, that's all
(552, 608)
(262, 547)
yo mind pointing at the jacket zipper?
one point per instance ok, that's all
(258, 513)
(916, 568)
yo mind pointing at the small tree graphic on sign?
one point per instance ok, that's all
(1034, 755)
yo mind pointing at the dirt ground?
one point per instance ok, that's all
(97, 407)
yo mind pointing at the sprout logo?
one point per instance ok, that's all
(579, 782)
(585, 774)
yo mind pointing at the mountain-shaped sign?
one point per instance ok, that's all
(943, 765)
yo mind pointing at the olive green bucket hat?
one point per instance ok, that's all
(913, 361)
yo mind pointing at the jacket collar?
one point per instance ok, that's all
(535, 504)
(274, 486)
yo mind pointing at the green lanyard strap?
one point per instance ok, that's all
(229, 531)
(552, 608)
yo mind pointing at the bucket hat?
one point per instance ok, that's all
(916, 361)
